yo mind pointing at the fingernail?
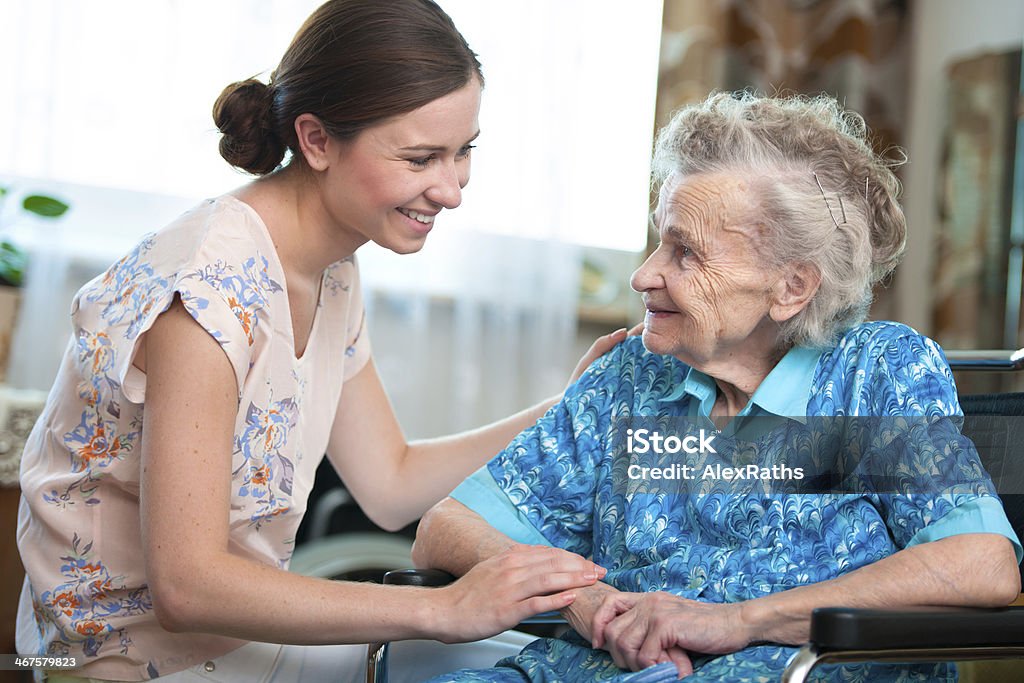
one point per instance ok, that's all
(590, 576)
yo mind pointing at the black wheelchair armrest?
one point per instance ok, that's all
(843, 634)
(843, 628)
(425, 578)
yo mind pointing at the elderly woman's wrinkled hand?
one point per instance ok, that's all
(643, 629)
(581, 616)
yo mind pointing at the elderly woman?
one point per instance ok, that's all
(775, 220)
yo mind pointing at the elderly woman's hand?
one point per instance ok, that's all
(582, 615)
(643, 629)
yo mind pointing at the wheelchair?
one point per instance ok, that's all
(847, 635)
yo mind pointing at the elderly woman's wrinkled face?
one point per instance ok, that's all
(706, 290)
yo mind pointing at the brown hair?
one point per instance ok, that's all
(354, 63)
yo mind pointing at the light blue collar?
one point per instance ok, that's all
(784, 392)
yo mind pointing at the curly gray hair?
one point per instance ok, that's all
(826, 198)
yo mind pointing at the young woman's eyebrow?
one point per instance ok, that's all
(434, 148)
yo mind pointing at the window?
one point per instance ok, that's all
(118, 93)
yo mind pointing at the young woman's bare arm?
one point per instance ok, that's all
(199, 584)
(396, 482)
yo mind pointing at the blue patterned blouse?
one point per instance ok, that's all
(566, 481)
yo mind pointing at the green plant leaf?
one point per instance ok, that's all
(13, 256)
(12, 268)
(41, 205)
(3, 191)
(10, 279)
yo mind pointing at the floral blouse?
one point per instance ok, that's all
(86, 593)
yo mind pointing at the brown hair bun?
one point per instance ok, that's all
(243, 113)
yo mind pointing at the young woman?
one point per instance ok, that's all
(214, 365)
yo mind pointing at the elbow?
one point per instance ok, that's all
(388, 518)
(422, 557)
(386, 509)
(1004, 591)
(178, 588)
(392, 525)
(172, 607)
(1003, 584)
(1013, 592)
(1007, 589)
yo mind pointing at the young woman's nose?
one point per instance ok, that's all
(446, 189)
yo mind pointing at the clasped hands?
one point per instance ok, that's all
(643, 629)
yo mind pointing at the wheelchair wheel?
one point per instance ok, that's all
(352, 557)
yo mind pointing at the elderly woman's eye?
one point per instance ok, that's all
(682, 251)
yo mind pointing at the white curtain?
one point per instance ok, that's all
(474, 329)
(109, 101)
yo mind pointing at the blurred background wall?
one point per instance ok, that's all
(941, 80)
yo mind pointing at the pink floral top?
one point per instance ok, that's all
(86, 591)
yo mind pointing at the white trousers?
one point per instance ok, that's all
(410, 661)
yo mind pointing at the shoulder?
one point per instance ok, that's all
(215, 230)
(216, 257)
(629, 373)
(224, 223)
(221, 249)
(892, 344)
(884, 367)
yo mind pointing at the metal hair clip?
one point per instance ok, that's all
(842, 209)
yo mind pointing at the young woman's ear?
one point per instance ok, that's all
(794, 291)
(313, 141)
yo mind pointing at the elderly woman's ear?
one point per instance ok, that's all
(794, 289)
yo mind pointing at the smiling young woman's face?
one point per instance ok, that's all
(388, 184)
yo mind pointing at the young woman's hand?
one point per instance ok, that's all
(601, 346)
(503, 590)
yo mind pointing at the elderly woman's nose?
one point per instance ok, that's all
(646, 276)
